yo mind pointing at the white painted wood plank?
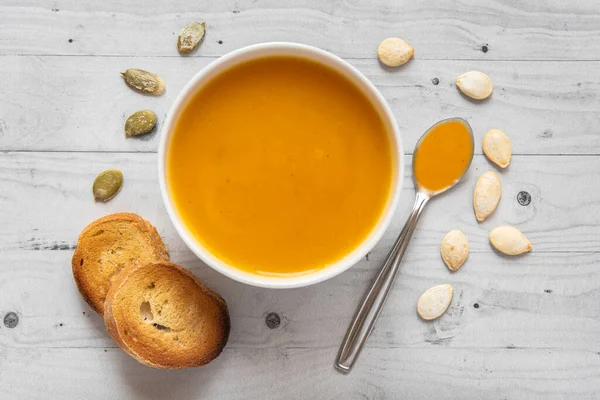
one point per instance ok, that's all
(437, 29)
(46, 200)
(81, 103)
(305, 374)
(546, 301)
(51, 192)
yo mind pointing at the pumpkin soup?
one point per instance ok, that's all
(444, 153)
(280, 165)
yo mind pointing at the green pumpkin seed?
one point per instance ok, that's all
(107, 184)
(140, 123)
(190, 36)
(144, 81)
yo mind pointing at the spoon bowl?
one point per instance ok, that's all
(468, 129)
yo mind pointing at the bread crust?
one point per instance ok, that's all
(166, 355)
(87, 278)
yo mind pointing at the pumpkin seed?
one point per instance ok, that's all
(190, 36)
(454, 249)
(107, 184)
(509, 240)
(434, 302)
(144, 81)
(487, 194)
(394, 52)
(496, 147)
(140, 123)
(475, 84)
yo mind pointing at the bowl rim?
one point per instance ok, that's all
(341, 66)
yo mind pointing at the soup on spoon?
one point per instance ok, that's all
(443, 155)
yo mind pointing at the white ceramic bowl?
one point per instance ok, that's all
(257, 51)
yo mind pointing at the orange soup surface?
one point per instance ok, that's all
(280, 166)
(443, 156)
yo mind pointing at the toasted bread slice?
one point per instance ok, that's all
(162, 315)
(109, 245)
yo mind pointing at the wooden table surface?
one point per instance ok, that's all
(518, 328)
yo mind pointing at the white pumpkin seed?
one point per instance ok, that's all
(107, 184)
(144, 81)
(394, 52)
(454, 249)
(487, 194)
(475, 84)
(496, 147)
(434, 302)
(509, 240)
(190, 36)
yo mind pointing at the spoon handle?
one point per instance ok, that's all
(366, 315)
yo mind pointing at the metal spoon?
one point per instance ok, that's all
(366, 315)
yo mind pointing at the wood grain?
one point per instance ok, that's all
(509, 30)
(306, 374)
(81, 103)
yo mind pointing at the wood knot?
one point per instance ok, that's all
(11, 320)
(272, 320)
(524, 198)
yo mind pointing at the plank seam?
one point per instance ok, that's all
(591, 60)
(50, 151)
